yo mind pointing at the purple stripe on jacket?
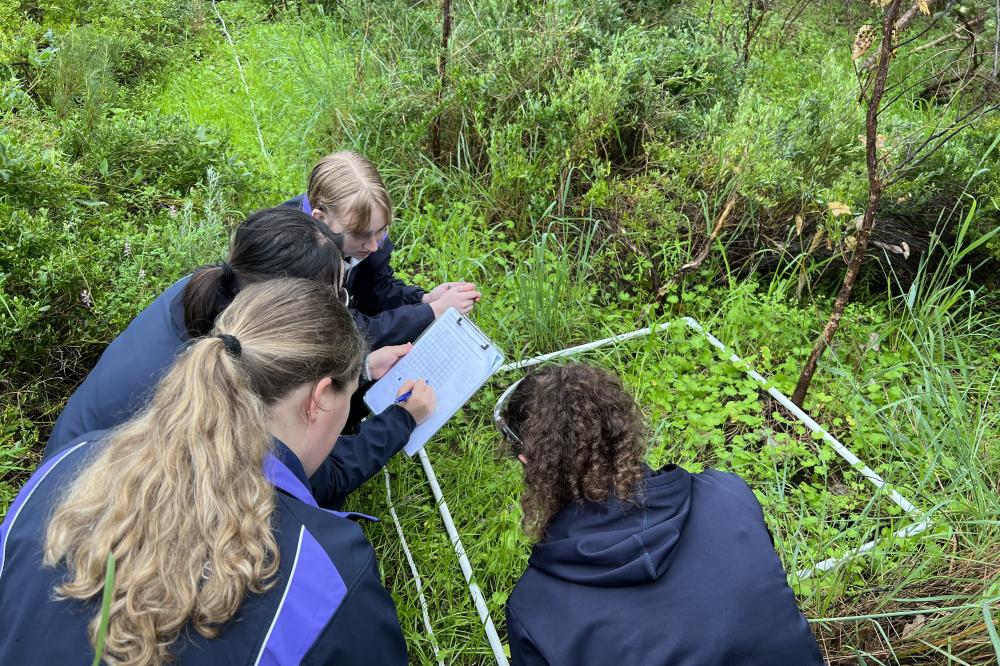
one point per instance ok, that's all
(24, 495)
(282, 477)
(314, 592)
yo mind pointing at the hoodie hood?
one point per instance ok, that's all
(615, 544)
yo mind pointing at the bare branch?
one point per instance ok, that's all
(996, 43)
(703, 253)
(875, 188)
(793, 14)
(936, 17)
(442, 76)
(918, 156)
(904, 22)
(957, 34)
(913, 85)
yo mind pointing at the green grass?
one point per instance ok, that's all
(297, 80)
(544, 292)
(587, 156)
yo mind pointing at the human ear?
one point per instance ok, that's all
(321, 216)
(319, 398)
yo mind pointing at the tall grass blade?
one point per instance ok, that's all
(991, 629)
(102, 630)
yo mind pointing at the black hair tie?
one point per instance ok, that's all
(227, 272)
(232, 344)
(228, 279)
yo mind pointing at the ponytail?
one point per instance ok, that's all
(207, 293)
(178, 494)
(272, 242)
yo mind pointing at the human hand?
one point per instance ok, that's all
(445, 287)
(462, 299)
(421, 402)
(382, 359)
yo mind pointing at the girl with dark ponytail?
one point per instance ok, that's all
(222, 554)
(270, 243)
(633, 565)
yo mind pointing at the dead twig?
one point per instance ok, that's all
(699, 259)
(875, 188)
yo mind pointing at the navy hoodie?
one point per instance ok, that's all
(126, 375)
(387, 310)
(327, 607)
(688, 578)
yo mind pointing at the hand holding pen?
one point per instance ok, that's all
(417, 397)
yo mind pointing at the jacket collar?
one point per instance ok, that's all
(283, 469)
(305, 206)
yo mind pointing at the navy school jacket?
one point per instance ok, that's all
(689, 579)
(327, 607)
(386, 310)
(128, 371)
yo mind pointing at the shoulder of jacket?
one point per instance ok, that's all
(341, 538)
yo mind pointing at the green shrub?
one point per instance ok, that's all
(69, 285)
(34, 172)
(81, 75)
(142, 159)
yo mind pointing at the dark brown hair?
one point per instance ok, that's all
(271, 243)
(583, 437)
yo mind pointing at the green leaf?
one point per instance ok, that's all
(991, 628)
(102, 630)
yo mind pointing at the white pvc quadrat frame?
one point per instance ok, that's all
(923, 522)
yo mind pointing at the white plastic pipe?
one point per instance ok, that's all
(845, 453)
(413, 567)
(463, 562)
(570, 351)
(834, 562)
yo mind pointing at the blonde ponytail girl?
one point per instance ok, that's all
(178, 494)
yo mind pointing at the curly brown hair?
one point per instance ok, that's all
(583, 437)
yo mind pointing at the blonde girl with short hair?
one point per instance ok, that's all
(347, 193)
(222, 554)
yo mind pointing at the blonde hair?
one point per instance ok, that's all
(348, 186)
(178, 494)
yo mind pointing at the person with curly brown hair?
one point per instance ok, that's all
(633, 565)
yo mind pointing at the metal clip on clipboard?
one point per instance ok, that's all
(473, 330)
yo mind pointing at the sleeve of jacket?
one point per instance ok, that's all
(394, 327)
(523, 651)
(357, 458)
(390, 292)
(365, 629)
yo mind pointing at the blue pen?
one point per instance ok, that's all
(406, 396)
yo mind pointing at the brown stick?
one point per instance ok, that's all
(703, 253)
(904, 21)
(442, 76)
(868, 221)
(957, 34)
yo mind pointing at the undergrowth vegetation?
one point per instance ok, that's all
(573, 158)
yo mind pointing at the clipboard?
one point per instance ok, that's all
(455, 357)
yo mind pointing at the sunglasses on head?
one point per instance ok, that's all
(501, 423)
